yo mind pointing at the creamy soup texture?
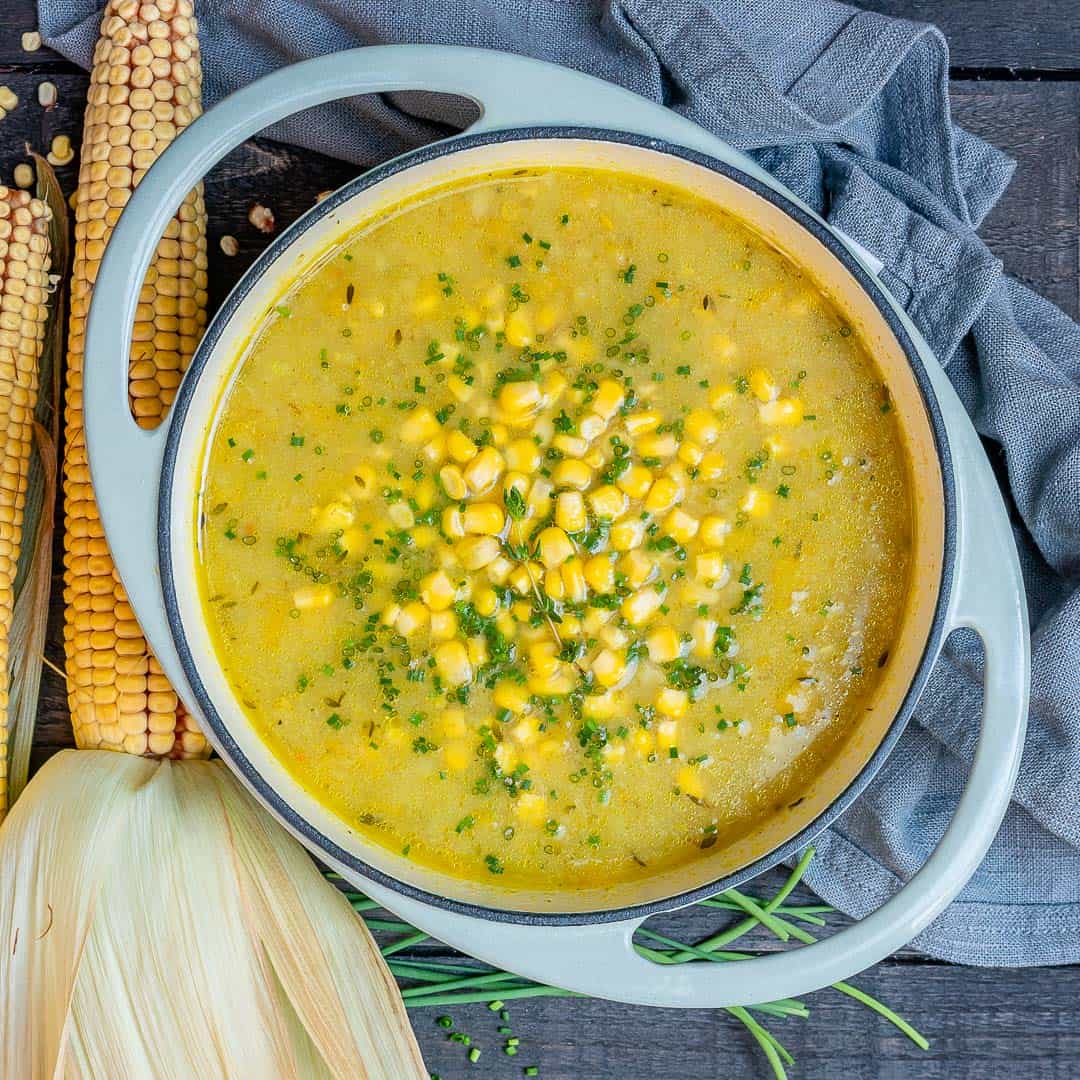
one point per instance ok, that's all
(554, 529)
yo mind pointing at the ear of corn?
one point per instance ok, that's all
(145, 87)
(24, 268)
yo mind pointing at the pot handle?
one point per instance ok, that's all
(600, 960)
(125, 460)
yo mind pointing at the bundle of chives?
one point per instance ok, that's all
(437, 981)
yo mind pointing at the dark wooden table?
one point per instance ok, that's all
(1016, 82)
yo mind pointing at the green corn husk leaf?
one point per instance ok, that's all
(34, 575)
(157, 923)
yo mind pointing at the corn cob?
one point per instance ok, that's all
(24, 267)
(145, 87)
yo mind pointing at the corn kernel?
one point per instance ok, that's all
(313, 596)
(419, 426)
(413, 617)
(627, 534)
(721, 396)
(460, 447)
(572, 474)
(452, 723)
(608, 502)
(672, 702)
(554, 547)
(642, 741)
(498, 570)
(600, 574)
(763, 386)
(505, 623)
(713, 531)
(756, 502)
(636, 567)
(437, 591)
(573, 575)
(390, 614)
(500, 434)
(663, 495)
(690, 454)
(701, 426)
(523, 456)
(724, 346)
(614, 636)
(710, 566)
(608, 667)
(589, 427)
(483, 519)
(641, 423)
(570, 511)
(486, 601)
(711, 466)
(476, 552)
(681, 526)
(457, 756)
(453, 522)
(635, 481)
(658, 446)
(521, 581)
(553, 386)
(452, 663)
(608, 398)
(512, 696)
(435, 450)
(483, 471)
(783, 411)
(518, 399)
(477, 651)
(704, 633)
(401, 515)
(444, 625)
(460, 388)
(553, 585)
(521, 609)
(544, 657)
(425, 493)
(559, 684)
(518, 329)
(664, 645)
(453, 482)
(573, 446)
(539, 500)
(639, 607)
(667, 734)
(601, 706)
(689, 782)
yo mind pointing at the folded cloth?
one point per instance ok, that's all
(851, 110)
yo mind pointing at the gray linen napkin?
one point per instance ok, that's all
(850, 109)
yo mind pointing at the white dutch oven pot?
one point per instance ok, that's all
(966, 570)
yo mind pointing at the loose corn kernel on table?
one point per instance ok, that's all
(1022, 1018)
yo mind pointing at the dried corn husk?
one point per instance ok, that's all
(164, 926)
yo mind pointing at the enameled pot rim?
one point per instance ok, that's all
(202, 361)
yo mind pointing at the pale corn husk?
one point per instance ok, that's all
(155, 922)
(32, 583)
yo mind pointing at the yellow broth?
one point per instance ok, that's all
(555, 529)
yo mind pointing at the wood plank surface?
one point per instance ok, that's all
(981, 1023)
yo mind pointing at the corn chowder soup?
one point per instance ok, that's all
(554, 529)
